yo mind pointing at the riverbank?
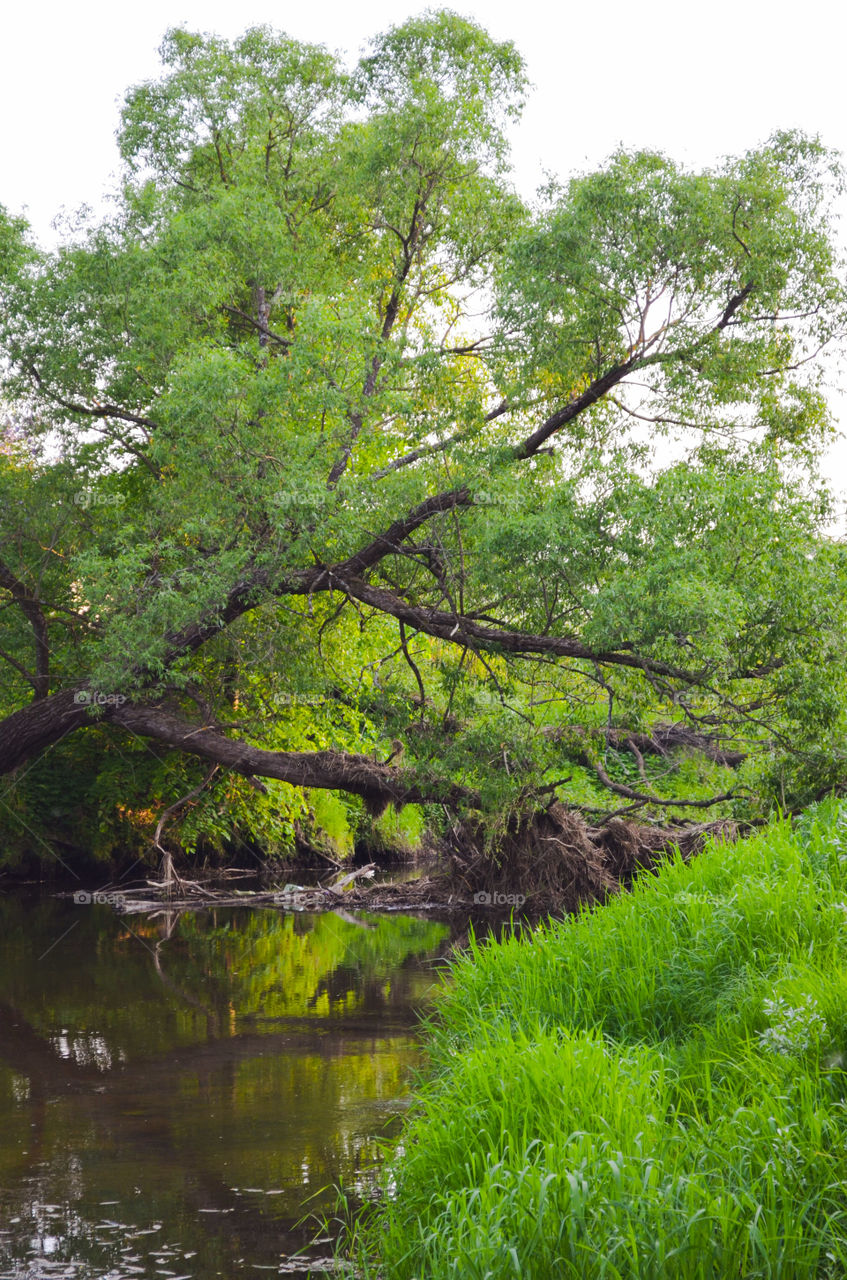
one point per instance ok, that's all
(544, 861)
(654, 1089)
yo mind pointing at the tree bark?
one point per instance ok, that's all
(40, 725)
(380, 784)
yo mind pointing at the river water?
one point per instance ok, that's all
(178, 1091)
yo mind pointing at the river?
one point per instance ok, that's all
(178, 1090)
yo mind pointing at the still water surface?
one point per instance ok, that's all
(177, 1091)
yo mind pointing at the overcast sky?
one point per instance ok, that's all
(697, 81)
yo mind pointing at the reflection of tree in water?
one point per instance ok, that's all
(349, 987)
(170, 920)
(276, 966)
(100, 1116)
(198, 1057)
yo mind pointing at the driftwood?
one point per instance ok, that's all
(425, 894)
(363, 873)
(541, 861)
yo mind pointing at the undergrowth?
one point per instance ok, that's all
(655, 1088)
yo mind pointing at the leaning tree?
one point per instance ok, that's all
(322, 422)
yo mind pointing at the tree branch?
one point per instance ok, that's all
(335, 770)
(30, 607)
(462, 630)
(649, 798)
(96, 410)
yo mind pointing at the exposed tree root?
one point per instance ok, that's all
(553, 857)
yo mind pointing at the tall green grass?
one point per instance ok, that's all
(653, 1089)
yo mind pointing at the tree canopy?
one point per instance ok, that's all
(329, 460)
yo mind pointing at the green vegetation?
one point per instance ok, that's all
(329, 463)
(346, 498)
(655, 1089)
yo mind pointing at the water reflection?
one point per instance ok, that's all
(173, 1088)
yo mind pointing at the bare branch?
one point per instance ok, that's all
(650, 798)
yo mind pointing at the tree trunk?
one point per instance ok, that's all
(379, 784)
(42, 724)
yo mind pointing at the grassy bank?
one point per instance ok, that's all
(655, 1089)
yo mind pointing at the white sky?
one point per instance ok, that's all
(697, 81)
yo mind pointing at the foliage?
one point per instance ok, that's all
(656, 1088)
(326, 440)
